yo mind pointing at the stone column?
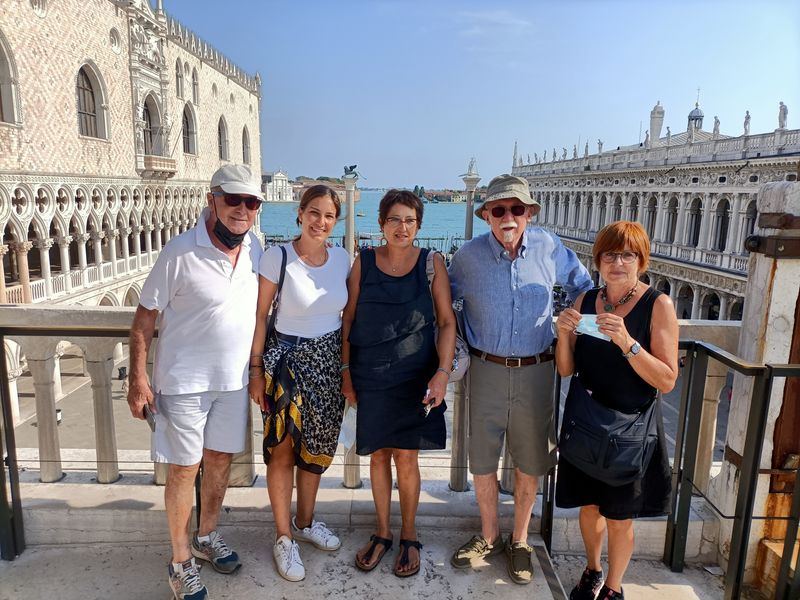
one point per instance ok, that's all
(98, 353)
(673, 291)
(21, 250)
(695, 302)
(42, 365)
(126, 251)
(350, 222)
(733, 245)
(97, 241)
(137, 246)
(661, 216)
(770, 334)
(705, 226)
(63, 249)
(723, 307)
(148, 243)
(158, 238)
(44, 257)
(167, 232)
(624, 212)
(470, 183)
(680, 227)
(112, 236)
(81, 240)
(3, 298)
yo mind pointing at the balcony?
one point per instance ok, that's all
(155, 167)
(88, 482)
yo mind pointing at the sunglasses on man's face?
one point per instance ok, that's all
(234, 201)
(499, 212)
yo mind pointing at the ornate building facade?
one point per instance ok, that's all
(694, 192)
(108, 140)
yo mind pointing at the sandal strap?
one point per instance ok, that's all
(375, 539)
(405, 545)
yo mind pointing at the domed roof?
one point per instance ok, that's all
(696, 112)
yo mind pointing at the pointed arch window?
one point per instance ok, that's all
(188, 132)
(87, 105)
(179, 79)
(245, 147)
(222, 139)
(195, 88)
(8, 90)
(151, 128)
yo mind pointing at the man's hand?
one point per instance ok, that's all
(139, 394)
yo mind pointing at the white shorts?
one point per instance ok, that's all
(187, 423)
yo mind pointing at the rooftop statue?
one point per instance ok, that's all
(586, 149)
(783, 112)
(574, 151)
(647, 138)
(564, 153)
(471, 167)
(536, 158)
(716, 126)
(599, 145)
(554, 155)
(747, 122)
(669, 136)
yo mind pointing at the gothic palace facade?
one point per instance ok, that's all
(108, 140)
(694, 192)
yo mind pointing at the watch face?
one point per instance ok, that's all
(635, 348)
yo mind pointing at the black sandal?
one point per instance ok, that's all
(404, 546)
(376, 541)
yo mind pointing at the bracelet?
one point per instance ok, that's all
(255, 376)
(445, 371)
(344, 367)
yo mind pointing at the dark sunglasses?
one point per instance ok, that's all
(499, 211)
(234, 201)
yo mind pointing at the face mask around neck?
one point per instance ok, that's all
(229, 239)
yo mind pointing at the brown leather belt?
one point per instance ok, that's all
(513, 362)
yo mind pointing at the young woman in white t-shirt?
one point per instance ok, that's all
(300, 371)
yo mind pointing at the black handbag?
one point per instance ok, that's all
(276, 301)
(606, 444)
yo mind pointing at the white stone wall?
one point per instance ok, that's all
(101, 207)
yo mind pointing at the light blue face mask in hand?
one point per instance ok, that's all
(588, 326)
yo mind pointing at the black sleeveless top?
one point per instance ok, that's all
(392, 337)
(602, 367)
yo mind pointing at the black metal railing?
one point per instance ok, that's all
(683, 470)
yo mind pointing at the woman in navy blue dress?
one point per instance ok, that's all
(395, 368)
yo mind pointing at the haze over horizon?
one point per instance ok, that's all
(410, 90)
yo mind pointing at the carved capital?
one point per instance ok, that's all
(44, 244)
(21, 247)
(112, 234)
(3, 249)
(64, 241)
(82, 237)
(97, 235)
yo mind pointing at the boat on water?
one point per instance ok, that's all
(361, 214)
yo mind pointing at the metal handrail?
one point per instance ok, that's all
(686, 450)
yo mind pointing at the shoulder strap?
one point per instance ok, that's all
(429, 268)
(277, 299)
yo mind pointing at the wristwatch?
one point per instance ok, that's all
(633, 351)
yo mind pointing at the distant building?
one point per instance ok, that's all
(276, 187)
(113, 116)
(694, 192)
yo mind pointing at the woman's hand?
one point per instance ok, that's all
(348, 391)
(567, 321)
(256, 388)
(614, 327)
(437, 388)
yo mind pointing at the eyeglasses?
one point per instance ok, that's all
(250, 202)
(395, 221)
(499, 211)
(626, 257)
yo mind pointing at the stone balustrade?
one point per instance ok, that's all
(42, 352)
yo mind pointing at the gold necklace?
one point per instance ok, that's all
(307, 258)
(608, 306)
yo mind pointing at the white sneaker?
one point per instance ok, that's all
(287, 559)
(319, 535)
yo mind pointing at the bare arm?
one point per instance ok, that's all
(142, 330)
(446, 325)
(256, 383)
(348, 315)
(566, 323)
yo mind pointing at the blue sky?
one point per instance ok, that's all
(410, 90)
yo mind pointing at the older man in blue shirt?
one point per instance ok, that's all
(505, 279)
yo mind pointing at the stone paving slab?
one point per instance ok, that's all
(139, 571)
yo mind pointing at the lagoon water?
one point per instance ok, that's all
(442, 221)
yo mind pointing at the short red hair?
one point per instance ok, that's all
(617, 236)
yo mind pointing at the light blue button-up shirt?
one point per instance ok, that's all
(508, 304)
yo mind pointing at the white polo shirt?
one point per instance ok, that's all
(208, 312)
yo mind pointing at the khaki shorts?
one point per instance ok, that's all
(516, 404)
(187, 423)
